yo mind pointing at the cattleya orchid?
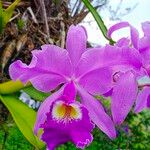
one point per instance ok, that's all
(125, 89)
(87, 72)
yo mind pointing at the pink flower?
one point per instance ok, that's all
(53, 66)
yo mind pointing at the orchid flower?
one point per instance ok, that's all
(53, 66)
(126, 89)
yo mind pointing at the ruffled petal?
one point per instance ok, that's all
(48, 68)
(97, 81)
(45, 108)
(76, 43)
(143, 100)
(109, 56)
(78, 131)
(124, 56)
(97, 113)
(123, 97)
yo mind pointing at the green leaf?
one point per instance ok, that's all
(6, 14)
(11, 86)
(24, 117)
(98, 19)
(35, 94)
(9, 11)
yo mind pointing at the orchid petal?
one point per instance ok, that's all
(76, 43)
(134, 36)
(115, 27)
(95, 58)
(109, 56)
(97, 113)
(123, 42)
(97, 81)
(142, 99)
(89, 61)
(123, 97)
(51, 65)
(144, 43)
(45, 108)
(133, 32)
(124, 56)
(47, 82)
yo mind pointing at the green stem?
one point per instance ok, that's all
(11, 87)
(98, 19)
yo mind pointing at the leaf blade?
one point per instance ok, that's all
(35, 94)
(11, 87)
(24, 117)
(9, 11)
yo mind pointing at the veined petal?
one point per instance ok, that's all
(76, 43)
(51, 65)
(97, 113)
(89, 61)
(143, 99)
(97, 81)
(121, 56)
(45, 108)
(109, 56)
(123, 96)
(47, 82)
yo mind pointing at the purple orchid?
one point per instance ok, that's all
(126, 87)
(53, 66)
(67, 120)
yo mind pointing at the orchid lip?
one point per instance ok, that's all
(63, 112)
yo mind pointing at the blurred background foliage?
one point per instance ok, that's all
(133, 134)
